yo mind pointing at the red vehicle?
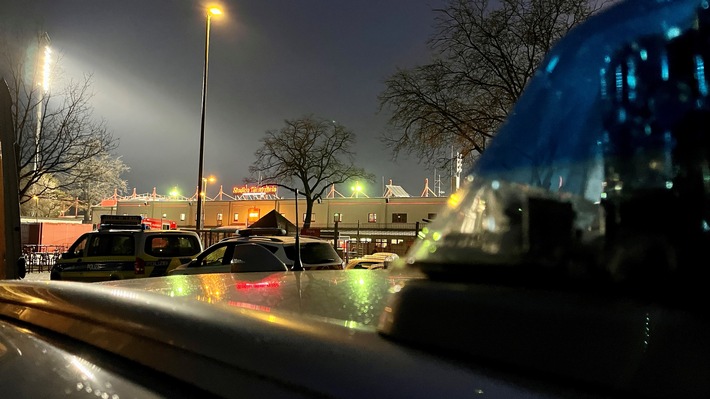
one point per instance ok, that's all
(159, 224)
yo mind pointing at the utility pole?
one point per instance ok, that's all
(10, 244)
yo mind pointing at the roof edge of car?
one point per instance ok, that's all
(262, 231)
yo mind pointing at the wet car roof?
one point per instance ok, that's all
(354, 299)
(219, 334)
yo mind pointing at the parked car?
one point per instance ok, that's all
(377, 260)
(122, 248)
(569, 265)
(364, 263)
(230, 256)
(316, 254)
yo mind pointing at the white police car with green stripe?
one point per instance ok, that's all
(122, 248)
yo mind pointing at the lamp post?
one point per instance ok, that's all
(210, 12)
(337, 218)
(297, 264)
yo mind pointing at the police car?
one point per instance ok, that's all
(124, 247)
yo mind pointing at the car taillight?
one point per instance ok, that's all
(139, 266)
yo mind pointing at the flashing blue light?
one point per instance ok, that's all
(552, 64)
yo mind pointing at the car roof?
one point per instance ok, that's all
(363, 260)
(238, 351)
(277, 239)
(382, 256)
(148, 232)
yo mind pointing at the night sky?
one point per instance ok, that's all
(270, 60)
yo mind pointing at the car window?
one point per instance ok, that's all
(122, 245)
(110, 245)
(274, 249)
(317, 252)
(79, 248)
(255, 258)
(215, 257)
(290, 252)
(171, 245)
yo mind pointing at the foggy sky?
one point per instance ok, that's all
(270, 60)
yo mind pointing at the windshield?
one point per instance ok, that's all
(594, 142)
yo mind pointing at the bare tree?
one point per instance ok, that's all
(314, 152)
(105, 171)
(57, 137)
(484, 54)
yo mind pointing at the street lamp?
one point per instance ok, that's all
(210, 12)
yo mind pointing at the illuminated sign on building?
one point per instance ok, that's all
(239, 190)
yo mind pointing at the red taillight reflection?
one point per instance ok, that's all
(243, 285)
(139, 266)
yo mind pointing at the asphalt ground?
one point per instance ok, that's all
(37, 276)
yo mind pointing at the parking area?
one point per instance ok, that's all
(37, 276)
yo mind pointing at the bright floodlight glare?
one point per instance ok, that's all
(45, 68)
(215, 11)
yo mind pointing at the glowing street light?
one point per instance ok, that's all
(210, 12)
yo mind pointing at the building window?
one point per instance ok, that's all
(182, 217)
(399, 218)
(337, 217)
(372, 218)
(431, 216)
(253, 215)
(236, 217)
(313, 217)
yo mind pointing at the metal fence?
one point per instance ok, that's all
(40, 258)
